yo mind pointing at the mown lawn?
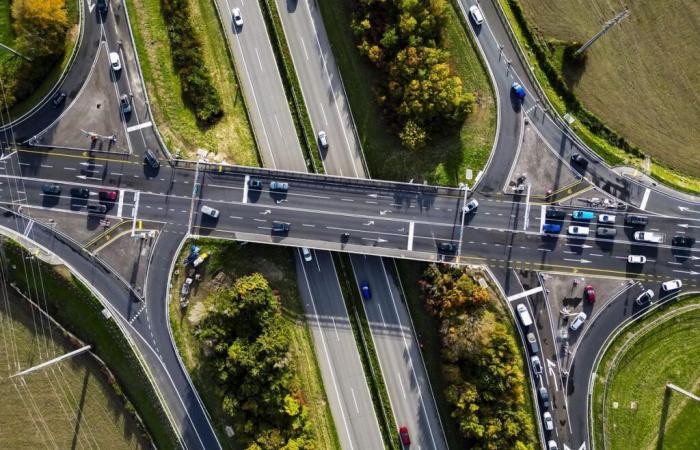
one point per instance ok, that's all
(643, 415)
(447, 157)
(231, 137)
(277, 266)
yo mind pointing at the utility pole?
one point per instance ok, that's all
(53, 361)
(11, 50)
(606, 27)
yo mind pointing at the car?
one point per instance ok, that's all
(51, 189)
(525, 318)
(544, 396)
(185, 290)
(552, 445)
(589, 293)
(636, 259)
(578, 321)
(96, 208)
(403, 433)
(606, 218)
(80, 192)
(644, 297)
(114, 61)
(58, 98)
(476, 15)
(547, 421)
(280, 227)
(279, 186)
(579, 160)
(448, 247)
(518, 90)
(536, 365)
(632, 219)
(209, 211)
(151, 159)
(682, 241)
(532, 340)
(102, 5)
(582, 215)
(255, 183)
(671, 285)
(470, 207)
(124, 104)
(307, 254)
(553, 213)
(237, 18)
(606, 231)
(551, 228)
(576, 230)
(323, 140)
(109, 196)
(364, 290)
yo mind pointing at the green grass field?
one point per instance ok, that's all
(277, 265)
(643, 417)
(7, 36)
(642, 77)
(231, 137)
(446, 158)
(42, 412)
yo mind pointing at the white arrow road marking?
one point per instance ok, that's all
(551, 365)
(685, 209)
(85, 177)
(689, 272)
(582, 261)
(685, 225)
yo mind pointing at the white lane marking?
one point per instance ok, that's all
(323, 111)
(542, 217)
(643, 205)
(69, 168)
(232, 217)
(245, 189)
(346, 200)
(116, 174)
(525, 293)
(337, 336)
(139, 126)
(308, 225)
(304, 47)
(120, 205)
(411, 225)
(259, 60)
(28, 228)
(279, 129)
(403, 391)
(352, 391)
(46, 166)
(134, 212)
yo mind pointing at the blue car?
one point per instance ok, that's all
(582, 215)
(364, 290)
(551, 228)
(518, 90)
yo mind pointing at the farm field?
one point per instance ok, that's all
(69, 405)
(641, 78)
(639, 412)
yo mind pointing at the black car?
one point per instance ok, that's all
(58, 98)
(151, 159)
(280, 227)
(631, 219)
(80, 192)
(51, 189)
(683, 241)
(255, 183)
(556, 214)
(579, 160)
(96, 208)
(447, 247)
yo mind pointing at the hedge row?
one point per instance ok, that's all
(186, 48)
(573, 105)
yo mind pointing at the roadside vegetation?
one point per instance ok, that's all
(73, 305)
(385, 101)
(632, 407)
(243, 338)
(78, 388)
(45, 32)
(230, 137)
(627, 103)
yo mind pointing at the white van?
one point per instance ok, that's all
(209, 211)
(525, 318)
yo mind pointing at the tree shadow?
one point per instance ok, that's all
(81, 405)
(663, 418)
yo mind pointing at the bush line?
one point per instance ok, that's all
(291, 85)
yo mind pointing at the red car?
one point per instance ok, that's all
(405, 439)
(110, 196)
(589, 293)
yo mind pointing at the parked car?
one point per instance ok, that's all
(547, 421)
(536, 364)
(551, 228)
(255, 183)
(683, 241)
(80, 192)
(532, 340)
(58, 98)
(649, 236)
(552, 445)
(636, 259)
(209, 211)
(364, 291)
(279, 186)
(606, 218)
(576, 230)
(323, 140)
(644, 297)
(307, 254)
(237, 18)
(544, 396)
(476, 15)
(671, 285)
(185, 290)
(96, 208)
(606, 232)
(578, 321)
(471, 206)
(108, 196)
(124, 104)
(403, 433)
(589, 293)
(632, 219)
(553, 213)
(518, 90)
(582, 215)
(525, 318)
(447, 247)
(151, 159)
(579, 160)
(114, 61)
(51, 189)
(280, 227)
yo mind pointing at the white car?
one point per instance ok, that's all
(644, 297)
(578, 321)
(237, 18)
(552, 445)
(470, 207)
(548, 422)
(606, 218)
(322, 140)
(577, 230)
(307, 254)
(671, 285)
(525, 318)
(114, 61)
(209, 211)
(477, 17)
(536, 365)
(636, 259)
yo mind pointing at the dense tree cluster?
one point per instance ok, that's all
(402, 39)
(40, 28)
(248, 347)
(482, 369)
(186, 48)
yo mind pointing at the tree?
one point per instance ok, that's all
(40, 26)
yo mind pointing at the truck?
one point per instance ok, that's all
(649, 236)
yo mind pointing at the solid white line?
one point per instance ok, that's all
(403, 391)
(259, 61)
(357, 408)
(245, 189)
(525, 293)
(304, 47)
(134, 212)
(411, 225)
(139, 126)
(643, 205)
(120, 205)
